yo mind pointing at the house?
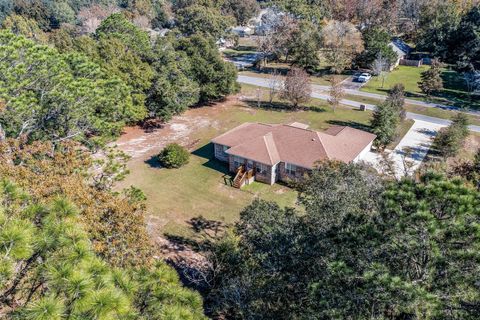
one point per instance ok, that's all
(284, 152)
(401, 49)
(242, 31)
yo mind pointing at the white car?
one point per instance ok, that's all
(364, 77)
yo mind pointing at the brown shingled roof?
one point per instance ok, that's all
(270, 144)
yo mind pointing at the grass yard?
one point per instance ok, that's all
(454, 91)
(432, 112)
(175, 196)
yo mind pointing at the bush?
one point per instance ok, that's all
(174, 156)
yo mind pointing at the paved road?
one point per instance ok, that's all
(319, 93)
(418, 140)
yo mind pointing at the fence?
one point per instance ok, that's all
(411, 63)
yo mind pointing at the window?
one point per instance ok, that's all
(261, 168)
(290, 169)
(220, 151)
(237, 161)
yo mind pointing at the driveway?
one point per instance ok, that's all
(350, 84)
(411, 150)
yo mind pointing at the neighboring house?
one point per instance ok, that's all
(242, 31)
(266, 21)
(401, 49)
(271, 153)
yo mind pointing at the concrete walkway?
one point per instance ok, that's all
(318, 94)
(417, 141)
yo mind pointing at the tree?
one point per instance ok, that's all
(396, 96)
(436, 24)
(382, 250)
(118, 26)
(115, 223)
(384, 123)
(242, 10)
(376, 41)
(428, 242)
(53, 96)
(472, 80)
(341, 42)
(465, 42)
(297, 88)
(336, 91)
(431, 80)
(50, 271)
(275, 83)
(26, 27)
(215, 77)
(208, 21)
(305, 46)
(380, 68)
(174, 156)
(281, 263)
(173, 90)
(450, 139)
(91, 17)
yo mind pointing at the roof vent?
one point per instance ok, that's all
(313, 139)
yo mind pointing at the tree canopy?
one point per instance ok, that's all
(52, 96)
(383, 250)
(50, 271)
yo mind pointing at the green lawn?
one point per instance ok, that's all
(454, 91)
(175, 196)
(432, 112)
(408, 76)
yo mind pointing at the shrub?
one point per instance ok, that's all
(174, 156)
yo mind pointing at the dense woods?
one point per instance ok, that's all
(359, 245)
(382, 250)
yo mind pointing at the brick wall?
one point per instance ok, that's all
(218, 152)
(299, 173)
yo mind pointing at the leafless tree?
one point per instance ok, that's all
(380, 68)
(387, 165)
(91, 17)
(341, 42)
(337, 92)
(275, 83)
(407, 161)
(266, 46)
(142, 22)
(472, 80)
(283, 35)
(297, 88)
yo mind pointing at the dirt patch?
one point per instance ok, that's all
(142, 144)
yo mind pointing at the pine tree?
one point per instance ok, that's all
(431, 80)
(384, 123)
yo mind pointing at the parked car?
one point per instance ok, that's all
(364, 77)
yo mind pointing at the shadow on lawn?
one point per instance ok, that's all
(207, 152)
(153, 162)
(352, 124)
(280, 106)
